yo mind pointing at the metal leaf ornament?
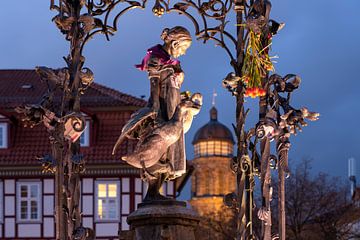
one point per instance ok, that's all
(230, 82)
(56, 76)
(181, 6)
(88, 23)
(285, 84)
(48, 163)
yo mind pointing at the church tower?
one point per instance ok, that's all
(212, 178)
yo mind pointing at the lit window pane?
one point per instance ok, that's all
(102, 190)
(33, 191)
(101, 213)
(23, 209)
(112, 190)
(230, 148)
(210, 148)
(217, 148)
(203, 149)
(34, 214)
(196, 148)
(23, 190)
(224, 149)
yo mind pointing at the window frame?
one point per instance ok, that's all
(86, 135)
(117, 200)
(28, 200)
(4, 128)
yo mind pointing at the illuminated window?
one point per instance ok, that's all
(3, 135)
(210, 147)
(225, 147)
(217, 149)
(197, 150)
(107, 200)
(85, 136)
(203, 148)
(28, 201)
(213, 148)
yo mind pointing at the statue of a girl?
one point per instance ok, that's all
(166, 77)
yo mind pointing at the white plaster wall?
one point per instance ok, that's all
(87, 207)
(48, 186)
(124, 225)
(163, 189)
(49, 230)
(48, 205)
(87, 222)
(107, 229)
(170, 187)
(9, 205)
(125, 184)
(138, 185)
(9, 186)
(88, 185)
(29, 230)
(138, 199)
(9, 227)
(125, 202)
(145, 188)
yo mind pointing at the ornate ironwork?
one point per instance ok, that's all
(63, 118)
(248, 52)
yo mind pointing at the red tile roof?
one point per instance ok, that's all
(27, 143)
(13, 92)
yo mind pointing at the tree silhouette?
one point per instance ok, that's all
(317, 206)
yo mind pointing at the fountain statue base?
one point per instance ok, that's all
(158, 220)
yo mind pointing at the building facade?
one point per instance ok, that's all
(110, 189)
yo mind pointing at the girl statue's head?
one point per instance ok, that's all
(176, 40)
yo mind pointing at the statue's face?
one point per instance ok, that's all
(179, 48)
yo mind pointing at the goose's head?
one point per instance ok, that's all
(189, 107)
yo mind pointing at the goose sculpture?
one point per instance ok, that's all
(155, 138)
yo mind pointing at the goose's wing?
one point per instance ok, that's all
(135, 121)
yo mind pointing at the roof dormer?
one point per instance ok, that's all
(4, 132)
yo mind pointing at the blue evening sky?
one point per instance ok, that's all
(320, 42)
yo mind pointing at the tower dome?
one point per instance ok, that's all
(213, 139)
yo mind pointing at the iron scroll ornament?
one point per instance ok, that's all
(277, 118)
(105, 23)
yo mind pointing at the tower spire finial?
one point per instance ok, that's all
(213, 97)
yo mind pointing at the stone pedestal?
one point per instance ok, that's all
(160, 220)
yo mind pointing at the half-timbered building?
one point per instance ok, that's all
(110, 189)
